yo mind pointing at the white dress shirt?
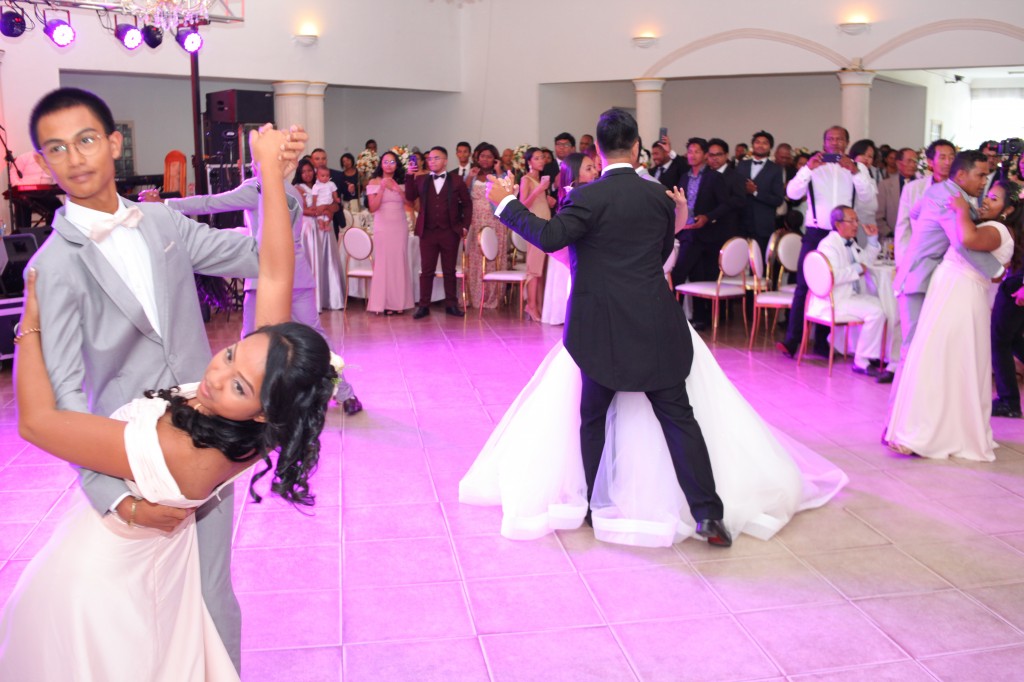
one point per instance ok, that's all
(128, 254)
(438, 179)
(833, 186)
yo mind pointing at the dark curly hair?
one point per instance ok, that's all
(1015, 221)
(399, 174)
(297, 386)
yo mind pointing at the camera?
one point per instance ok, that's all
(1011, 146)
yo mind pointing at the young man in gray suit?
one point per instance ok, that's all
(118, 300)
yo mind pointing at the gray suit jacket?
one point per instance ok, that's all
(101, 351)
(934, 230)
(888, 205)
(246, 197)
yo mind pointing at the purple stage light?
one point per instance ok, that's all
(60, 32)
(189, 39)
(128, 34)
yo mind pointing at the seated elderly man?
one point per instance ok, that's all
(850, 290)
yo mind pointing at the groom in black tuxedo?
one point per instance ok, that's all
(623, 326)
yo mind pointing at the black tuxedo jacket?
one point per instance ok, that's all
(714, 200)
(672, 175)
(759, 213)
(460, 205)
(623, 326)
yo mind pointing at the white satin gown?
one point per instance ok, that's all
(105, 601)
(531, 465)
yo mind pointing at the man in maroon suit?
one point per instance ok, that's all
(445, 213)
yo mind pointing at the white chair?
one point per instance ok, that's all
(488, 240)
(358, 246)
(519, 245)
(788, 252)
(764, 299)
(820, 280)
(671, 263)
(733, 260)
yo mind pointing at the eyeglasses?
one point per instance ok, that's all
(87, 144)
(435, 158)
(562, 143)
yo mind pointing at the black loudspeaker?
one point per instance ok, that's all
(18, 249)
(240, 106)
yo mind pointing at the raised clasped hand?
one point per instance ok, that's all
(278, 148)
(500, 187)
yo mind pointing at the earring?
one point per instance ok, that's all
(1002, 217)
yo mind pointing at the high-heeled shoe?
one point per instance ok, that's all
(531, 316)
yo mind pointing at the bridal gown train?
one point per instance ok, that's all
(531, 464)
(105, 601)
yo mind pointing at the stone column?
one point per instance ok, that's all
(648, 108)
(290, 103)
(856, 101)
(315, 116)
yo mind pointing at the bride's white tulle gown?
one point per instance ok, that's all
(531, 464)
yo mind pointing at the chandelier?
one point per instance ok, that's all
(168, 14)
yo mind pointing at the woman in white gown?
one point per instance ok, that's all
(105, 600)
(943, 403)
(532, 466)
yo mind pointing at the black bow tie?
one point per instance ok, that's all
(849, 242)
(758, 163)
(438, 176)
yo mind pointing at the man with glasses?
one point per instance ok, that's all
(120, 313)
(445, 213)
(990, 149)
(849, 290)
(829, 179)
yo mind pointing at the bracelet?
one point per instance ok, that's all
(131, 513)
(23, 334)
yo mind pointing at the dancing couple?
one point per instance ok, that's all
(646, 467)
(137, 585)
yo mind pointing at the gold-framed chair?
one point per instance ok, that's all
(519, 246)
(488, 241)
(820, 282)
(771, 255)
(788, 253)
(764, 298)
(733, 261)
(358, 247)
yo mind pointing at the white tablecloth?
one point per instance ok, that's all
(879, 279)
(358, 285)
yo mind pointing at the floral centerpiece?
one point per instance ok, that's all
(402, 152)
(644, 158)
(519, 160)
(366, 163)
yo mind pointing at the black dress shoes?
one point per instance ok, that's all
(454, 311)
(885, 376)
(421, 312)
(352, 406)
(785, 350)
(713, 530)
(1001, 409)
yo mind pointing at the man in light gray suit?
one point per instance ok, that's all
(246, 197)
(118, 301)
(934, 222)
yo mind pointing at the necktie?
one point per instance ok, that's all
(101, 229)
(657, 172)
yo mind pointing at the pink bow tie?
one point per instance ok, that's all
(101, 229)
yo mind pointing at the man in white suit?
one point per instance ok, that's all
(849, 290)
(118, 302)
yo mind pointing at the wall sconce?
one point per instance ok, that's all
(644, 41)
(308, 35)
(854, 28)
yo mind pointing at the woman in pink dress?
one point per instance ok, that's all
(533, 192)
(484, 157)
(108, 600)
(391, 289)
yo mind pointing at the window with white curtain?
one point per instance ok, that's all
(996, 114)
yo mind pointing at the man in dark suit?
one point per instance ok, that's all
(707, 196)
(666, 168)
(445, 213)
(764, 190)
(623, 327)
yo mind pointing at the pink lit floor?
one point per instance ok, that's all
(915, 572)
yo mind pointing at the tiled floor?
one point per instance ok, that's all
(915, 572)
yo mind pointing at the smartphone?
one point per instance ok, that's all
(831, 158)
(414, 164)
(662, 133)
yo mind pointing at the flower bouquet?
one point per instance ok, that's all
(366, 163)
